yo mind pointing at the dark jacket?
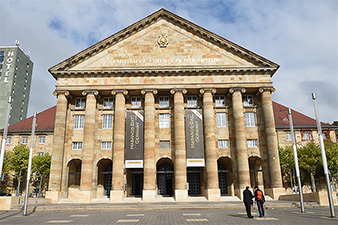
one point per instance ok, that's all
(247, 196)
(256, 195)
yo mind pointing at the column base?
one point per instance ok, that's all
(181, 195)
(239, 192)
(54, 196)
(148, 195)
(84, 196)
(274, 192)
(116, 196)
(214, 195)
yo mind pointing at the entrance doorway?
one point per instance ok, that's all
(225, 176)
(105, 175)
(165, 179)
(194, 180)
(136, 182)
(222, 179)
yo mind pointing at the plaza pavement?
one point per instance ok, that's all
(312, 216)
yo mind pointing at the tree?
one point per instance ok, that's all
(5, 171)
(41, 168)
(287, 162)
(18, 163)
(310, 159)
(332, 158)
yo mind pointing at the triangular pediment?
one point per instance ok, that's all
(163, 41)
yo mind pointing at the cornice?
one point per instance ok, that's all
(149, 20)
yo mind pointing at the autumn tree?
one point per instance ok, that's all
(310, 160)
(287, 163)
(18, 163)
(41, 168)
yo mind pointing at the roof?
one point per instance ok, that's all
(62, 67)
(299, 120)
(44, 122)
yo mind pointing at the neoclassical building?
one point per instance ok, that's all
(163, 108)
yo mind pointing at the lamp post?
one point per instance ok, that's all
(296, 162)
(322, 148)
(29, 165)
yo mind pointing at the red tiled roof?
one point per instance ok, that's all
(44, 122)
(299, 120)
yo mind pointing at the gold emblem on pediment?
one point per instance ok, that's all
(162, 41)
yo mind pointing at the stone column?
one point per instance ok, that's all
(271, 143)
(241, 143)
(58, 147)
(85, 194)
(117, 192)
(149, 186)
(180, 172)
(213, 191)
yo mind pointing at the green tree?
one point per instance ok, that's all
(5, 170)
(332, 157)
(41, 168)
(18, 163)
(287, 162)
(310, 160)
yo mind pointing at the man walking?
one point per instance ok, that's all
(260, 199)
(247, 199)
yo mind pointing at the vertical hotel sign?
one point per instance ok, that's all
(134, 139)
(194, 138)
(7, 67)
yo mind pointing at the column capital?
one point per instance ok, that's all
(61, 92)
(123, 91)
(204, 90)
(182, 90)
(144, 91)
(263, 89)
(236, 89)
(90, 91)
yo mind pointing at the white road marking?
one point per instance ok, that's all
(191, 214)
(78, 216)
(197, 220)
(60, 221)
(127, 221)
(135, 215)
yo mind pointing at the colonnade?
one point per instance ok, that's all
(180, 171)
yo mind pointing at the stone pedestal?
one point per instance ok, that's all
(84, 196)
(148, 195)
(274, 192)
(54, 196)
(116, 196)
(214, 194)
(181, 195)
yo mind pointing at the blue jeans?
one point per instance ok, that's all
(260, 208)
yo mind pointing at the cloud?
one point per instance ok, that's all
(299, 35)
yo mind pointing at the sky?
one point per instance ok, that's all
(300, 36)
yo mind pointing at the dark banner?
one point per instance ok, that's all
(134, 139)
(194, 136)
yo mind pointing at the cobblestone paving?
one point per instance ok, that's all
(317, 216)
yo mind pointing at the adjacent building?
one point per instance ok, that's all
(15, 81)
(305, 128)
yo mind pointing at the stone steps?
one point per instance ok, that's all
(160, 206)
